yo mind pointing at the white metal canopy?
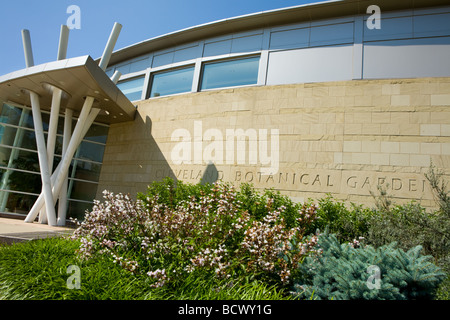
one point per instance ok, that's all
(77, 78)
(77, 86)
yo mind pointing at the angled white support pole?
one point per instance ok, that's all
(62, 203)
(63, 43)
(43, 162)
(28, 51)
(54, 111)
(57, 177)
(56, 99)
(87, 125)
(51, 137)
(116, 76)
(104, 61)
(60, 173)
(53, 125)
(39, 133)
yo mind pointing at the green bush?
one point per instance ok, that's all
(411, 225)
(347, 223)
(340, 272)
(172, 231)
(171, 193)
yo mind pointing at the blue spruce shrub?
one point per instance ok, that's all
(348, 272)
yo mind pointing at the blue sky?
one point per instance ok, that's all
(141, 20)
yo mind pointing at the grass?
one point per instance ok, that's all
(37, 270)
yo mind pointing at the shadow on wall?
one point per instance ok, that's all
(132, 159)
(211, 174)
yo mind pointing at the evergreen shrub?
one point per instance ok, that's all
(343, 272)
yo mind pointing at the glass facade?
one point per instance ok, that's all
(172, 82)
(230, 73)
(132, 88)
(20, 180)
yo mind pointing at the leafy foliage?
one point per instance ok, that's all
(172, 237)
(347, 223)
(340, 272)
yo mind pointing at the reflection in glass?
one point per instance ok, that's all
(230, 73)
(172, 82)
(20, 180)
(87, 171)
(90, 151)
(97, 133)
(77, 209)
(16, 202)
(81, 190)
(132, 89)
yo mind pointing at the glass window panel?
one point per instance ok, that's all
(16, 116)
(56, 161)
(97, 133)
(28, 139)
(5, 154)
(87, 171)
(172, 82)
(19, 159)
(78, 209)
(26, 160)
(7, 135)
(91, 151)
(61, 125)
(230, 73)
(139, 65)
(21, 181)
(83, 190)
(10, 115)
(132, 89)
(16, 202)
(58, 145)
(25, 139)
(45, 120)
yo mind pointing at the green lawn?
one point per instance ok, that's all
(37, 270)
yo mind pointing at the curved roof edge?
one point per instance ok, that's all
(283, 16)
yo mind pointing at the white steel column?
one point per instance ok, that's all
(53, 125)
(58, 179)
(40, 139)
(43, 161)
(54, 110)
(63, 42)
(110, 46)
(51, 136)
(63, 167)
(56, 99)
(27, 49)
(62, 202)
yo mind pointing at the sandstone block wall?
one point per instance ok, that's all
(343, 138)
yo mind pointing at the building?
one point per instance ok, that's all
(334, 97)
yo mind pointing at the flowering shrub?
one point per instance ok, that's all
(210, 232)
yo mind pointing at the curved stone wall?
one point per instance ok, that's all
(306, 140)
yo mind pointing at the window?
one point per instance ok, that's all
(20, 180)
(132, 88)
(230, 73)
(172, 82)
